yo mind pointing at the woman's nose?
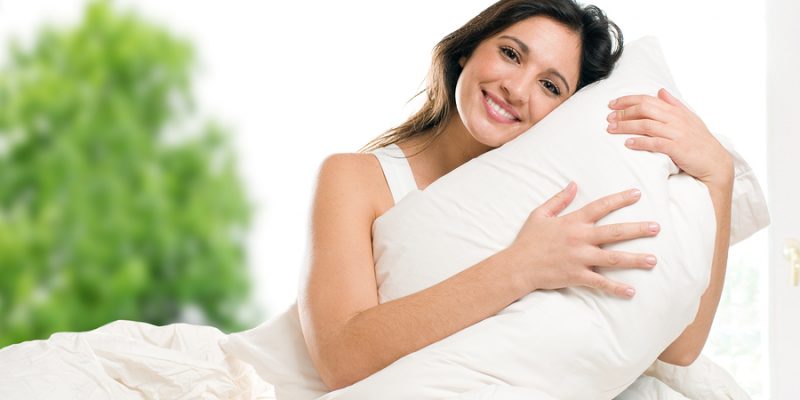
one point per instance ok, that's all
(517, 87)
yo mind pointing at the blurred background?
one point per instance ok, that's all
(158, 157)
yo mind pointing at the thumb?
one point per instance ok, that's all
(663, 94)
(556, 204)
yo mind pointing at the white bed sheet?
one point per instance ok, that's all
(134, 360)
(129, 360)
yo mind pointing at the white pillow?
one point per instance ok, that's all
(600, 344)
(574, 343)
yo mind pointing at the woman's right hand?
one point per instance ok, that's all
(559, 251)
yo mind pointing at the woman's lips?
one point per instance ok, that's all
(497, 110)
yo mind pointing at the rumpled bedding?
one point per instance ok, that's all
(134, 360)
(644, 388)
(128, 360)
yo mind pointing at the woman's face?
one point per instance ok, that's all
(515, 78)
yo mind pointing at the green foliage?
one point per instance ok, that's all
(105, 213)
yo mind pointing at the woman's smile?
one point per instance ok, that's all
(498, 110)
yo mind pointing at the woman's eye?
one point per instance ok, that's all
(550, 86)
(510, 53)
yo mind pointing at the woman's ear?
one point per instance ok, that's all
(462, 61)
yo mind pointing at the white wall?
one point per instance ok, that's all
(783, 86)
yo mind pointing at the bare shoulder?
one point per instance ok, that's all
(356, 178)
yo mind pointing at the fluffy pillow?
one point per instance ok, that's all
(571, 343)
(574, 343)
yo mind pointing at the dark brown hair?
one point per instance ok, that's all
(601, 42)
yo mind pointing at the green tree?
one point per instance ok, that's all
(111, 207)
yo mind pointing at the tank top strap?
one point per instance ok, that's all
(396, 170)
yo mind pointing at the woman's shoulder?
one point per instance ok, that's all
(351, 168)
(356, 178)
(350, 161)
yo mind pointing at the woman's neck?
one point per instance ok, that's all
(452, 148)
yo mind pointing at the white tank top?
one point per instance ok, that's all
(396, 170)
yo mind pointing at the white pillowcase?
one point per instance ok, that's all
(571, 343)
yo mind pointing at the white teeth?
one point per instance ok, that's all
(498, 109)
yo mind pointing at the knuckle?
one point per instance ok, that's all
(574, 238)
(613, 258)
(647, 126)
(615, 231)
(594, 281)
(573, 276)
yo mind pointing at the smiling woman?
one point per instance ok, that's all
(506, 67)
(300, 85)
(501, 70)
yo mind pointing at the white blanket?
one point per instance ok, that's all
(134, 360)
(128, 360)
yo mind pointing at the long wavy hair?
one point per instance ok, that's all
(601, 41)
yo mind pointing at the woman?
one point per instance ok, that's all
(490, 81)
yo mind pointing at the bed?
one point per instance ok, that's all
(133, 360)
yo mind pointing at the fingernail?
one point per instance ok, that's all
(629, 142)
(635, 193)
(653, 228)
(612, 117)
(651, 260)
(630, 292)
(612, 125)
(612, 102)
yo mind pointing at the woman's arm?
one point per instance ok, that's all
(669, 127)
(688, 346)
(350, 335)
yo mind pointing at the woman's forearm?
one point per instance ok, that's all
(376, 337)
(688, 346)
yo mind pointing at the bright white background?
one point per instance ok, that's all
(297, 81)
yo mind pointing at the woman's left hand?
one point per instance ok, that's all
(667, 126)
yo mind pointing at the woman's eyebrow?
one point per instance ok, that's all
(526, 51)
(522, 46)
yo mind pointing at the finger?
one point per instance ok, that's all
(627, 101)
(650, 109)
(556, 204)
(613, 288)
(605, 205)
(654, 144)
(620, 259)
(619, 232)
(646, 127)
(663, 94)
